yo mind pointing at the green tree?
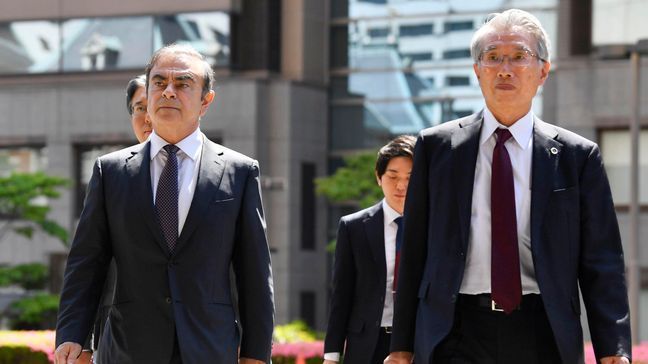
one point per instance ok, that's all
(355, 182)
(22, 208)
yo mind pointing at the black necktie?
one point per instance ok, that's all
(166, 198)
(506, 286)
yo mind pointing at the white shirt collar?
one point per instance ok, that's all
(389, 213)
(522, 130)
(190, 145)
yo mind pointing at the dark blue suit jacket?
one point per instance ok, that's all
(574, 240)
(359, 281)
(158, 294)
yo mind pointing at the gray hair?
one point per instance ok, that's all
(175, 48)
(132, 87)
(512, 20)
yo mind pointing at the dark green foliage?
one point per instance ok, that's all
(28, 276)
(34, 313)
(355, 182)
(21, 355)
(20, 208)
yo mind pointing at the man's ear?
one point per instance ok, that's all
(377, 179)
(476, 69)
(206, 101)
(544, 72)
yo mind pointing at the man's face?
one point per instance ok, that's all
(395, 180)
(139, 119)
(175, 103)
(510, 87)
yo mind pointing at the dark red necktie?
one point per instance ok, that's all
(399, 244)
(506, 286)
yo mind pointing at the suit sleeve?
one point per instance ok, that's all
(413, 252)
(86, 267)
(252, 267)
(344, 278)
(601, 270)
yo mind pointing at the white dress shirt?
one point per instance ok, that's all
(188, 165)
(391, 228)
(477, 275)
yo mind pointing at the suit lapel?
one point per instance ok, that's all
(465, 145)
(546, 155)
(374, 227)
(210, 173)
(138, 168)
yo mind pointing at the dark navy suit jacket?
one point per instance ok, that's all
(159, 295)
(575, 240)
(359, 282)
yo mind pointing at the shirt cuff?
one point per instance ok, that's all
(332, 356)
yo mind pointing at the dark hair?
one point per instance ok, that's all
(401, 146)
(131, 89)
(208, 76)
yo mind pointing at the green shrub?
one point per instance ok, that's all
(296, 331)
(34, 313)
(28, 276)
(21, 355)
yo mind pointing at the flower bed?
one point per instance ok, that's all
(282, 353)
(41, 341)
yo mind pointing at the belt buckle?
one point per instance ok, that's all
(388, 329)
(495, 307)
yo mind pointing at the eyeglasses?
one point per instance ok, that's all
(521, 58)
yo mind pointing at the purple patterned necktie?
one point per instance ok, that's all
(506, 286)
(166, 198)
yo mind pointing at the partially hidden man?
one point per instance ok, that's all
(366, 259)
(506, 217)
(174, 212)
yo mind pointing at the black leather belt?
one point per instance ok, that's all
(386, 329)
(530, 302)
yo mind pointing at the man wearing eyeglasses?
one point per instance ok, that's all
(506, 217)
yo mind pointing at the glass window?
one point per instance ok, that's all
(108, 43)
(102, 44)
(615, 149)
(22, 160)
(378, 32)
(415, 57)
(208, 33)
(29, 47)
(453, 26)
(456, 53)
(458, 81)
(416, 30)
(86, 155)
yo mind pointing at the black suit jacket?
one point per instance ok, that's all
(574, 240)
(158, 294)
(359, 281)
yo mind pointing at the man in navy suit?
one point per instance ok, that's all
(365, 261)
(506, 217)
(175, 213)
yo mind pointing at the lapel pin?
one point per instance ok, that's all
(554, 150)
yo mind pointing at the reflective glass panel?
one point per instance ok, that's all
(29, 47)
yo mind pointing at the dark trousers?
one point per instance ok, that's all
(382, 347)
(481, 335)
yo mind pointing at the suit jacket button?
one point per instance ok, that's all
(168, 300)
(453, 299)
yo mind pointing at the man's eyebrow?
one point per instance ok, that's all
(186, 77)
(158, 77)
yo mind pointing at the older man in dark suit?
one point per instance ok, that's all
(175, 213)
(506, 217)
